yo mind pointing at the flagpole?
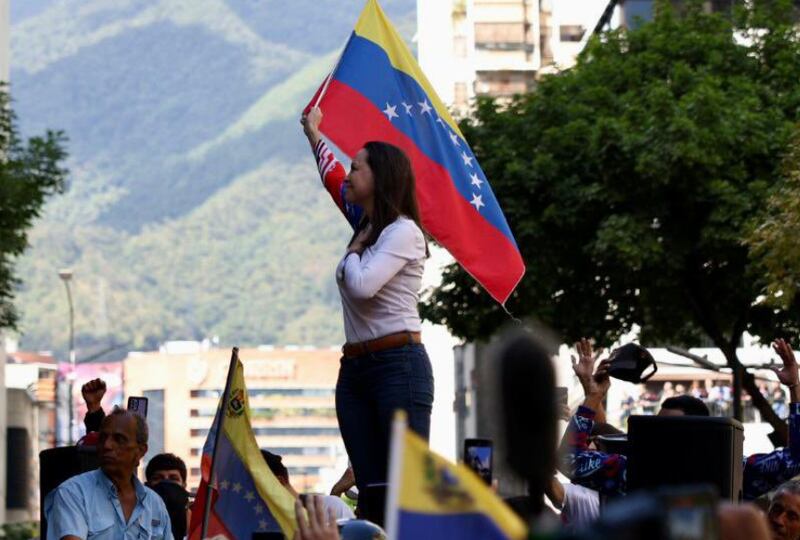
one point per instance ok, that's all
(331, 74)
(221, 413)
(396, 447)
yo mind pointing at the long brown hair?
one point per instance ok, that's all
(395, 190)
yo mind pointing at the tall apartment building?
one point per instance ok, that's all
(498, 47)
(291, 393)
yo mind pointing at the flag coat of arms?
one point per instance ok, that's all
(377, 91)
(246, 497)
(431, 498)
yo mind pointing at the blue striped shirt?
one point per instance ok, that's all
(87, 506)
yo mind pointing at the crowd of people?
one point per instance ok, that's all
(717, 395)
(385, 367)
(111, 502)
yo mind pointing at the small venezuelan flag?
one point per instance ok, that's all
(246, 497)
(431, 498)
(377, 92)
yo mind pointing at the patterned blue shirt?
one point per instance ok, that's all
(607, 473)
(87, 506)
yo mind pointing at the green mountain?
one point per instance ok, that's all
(194, 208)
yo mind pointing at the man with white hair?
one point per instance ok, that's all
(110, 503)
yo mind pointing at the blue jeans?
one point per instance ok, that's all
(370, 389)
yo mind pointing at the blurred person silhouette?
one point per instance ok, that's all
(530, 412)
(333, 504)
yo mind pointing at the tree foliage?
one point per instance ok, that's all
(631, 180)
(775, 242)
(30, 172)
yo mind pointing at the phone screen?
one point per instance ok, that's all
(478, 457)
(138, 405)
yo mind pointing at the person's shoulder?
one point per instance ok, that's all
(404, 229)
(79, 487)
(340, 508)
(80, 482)
(153, 499)
(582, 492)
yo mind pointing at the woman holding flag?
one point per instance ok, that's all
(384, 366)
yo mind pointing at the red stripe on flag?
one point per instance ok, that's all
(351, 120)
(215, 525)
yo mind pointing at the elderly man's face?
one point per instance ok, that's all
(784, 516)
(118, 450)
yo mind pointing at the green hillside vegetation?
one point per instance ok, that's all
(194, 208)
(245, 267)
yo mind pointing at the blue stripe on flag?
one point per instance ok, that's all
(366, 68)
(419, 526)
(239, 506)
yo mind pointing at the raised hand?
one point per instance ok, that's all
(594, 382)
(359, 242)
(311, 121)
(788, 374)
(315, 524)
(93, 392)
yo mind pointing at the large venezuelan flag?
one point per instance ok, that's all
(246, 496)
(378, 92)
(432, 499)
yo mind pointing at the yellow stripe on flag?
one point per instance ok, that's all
(430, 484)
(374, 25)
(239, 431)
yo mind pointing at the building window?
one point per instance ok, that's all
(194, 452)
(571, 32)
(195, 471)
(198, 432)
(202, 412)
(271, 392)
(206, 394)
(303, 470)
(17, 468)
(302, 450)
(501, 36)
(290, 431)
(504, 83)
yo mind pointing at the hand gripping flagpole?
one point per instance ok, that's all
(222, 409)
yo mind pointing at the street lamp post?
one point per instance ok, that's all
(66, 276)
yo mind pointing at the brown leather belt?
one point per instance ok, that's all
(351, 350)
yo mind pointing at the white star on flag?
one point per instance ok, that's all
(224, 484)
(250, 496)
(407, 107)
(476, 181)
(440, 120)
(390, 111)
(262, 524)
(237, 487)
(467, 159)
(477, 201)
(425, 107)
(258, 509)
(454, 138)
